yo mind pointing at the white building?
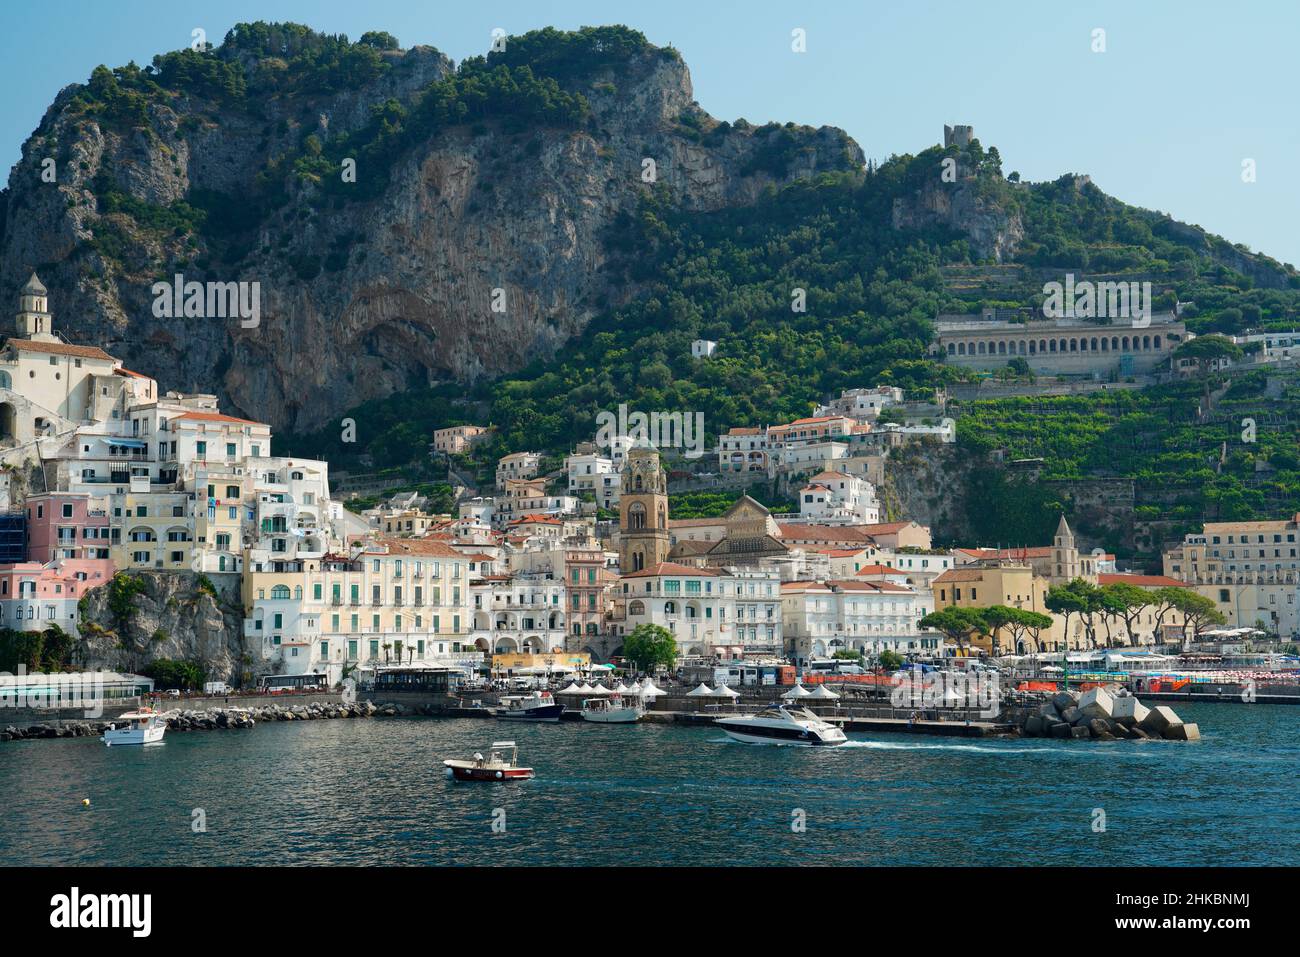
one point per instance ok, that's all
(594, 475)
(703, 348)
(863, 405)
(837, 498)
(520, 613)
(821, 618)
(517, 465)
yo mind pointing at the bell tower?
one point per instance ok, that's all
(34, 320)
(643, 512)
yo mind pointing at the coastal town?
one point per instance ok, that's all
(109, 478)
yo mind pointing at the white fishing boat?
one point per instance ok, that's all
(612, 710)
(145, 726)
(783, 724)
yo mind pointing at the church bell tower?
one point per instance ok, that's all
(643, 512)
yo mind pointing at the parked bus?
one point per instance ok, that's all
(272, 684)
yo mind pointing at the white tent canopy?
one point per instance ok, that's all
(703, 691)
(600, 689)
(725, 692)
(824, 693)
(648, 689)
(798, 691)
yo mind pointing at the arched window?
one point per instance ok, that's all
(1156, 342)
(280, 593)
(961, 348)
(636, 514)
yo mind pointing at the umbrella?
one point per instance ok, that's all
(703, 691)
(824, 693)
(798, 691)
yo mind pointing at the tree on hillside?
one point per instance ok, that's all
(1206, 351)
(649, 646)
(1165, 601)
(1126, 601)
(958, 625)
(997, 617)
(1197, 610)
(1065, 601)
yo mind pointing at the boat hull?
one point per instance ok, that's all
(621, 716)
(127, 736)
(788, 737)
(547, 713)
(489, 774)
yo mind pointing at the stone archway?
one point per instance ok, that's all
(8, 422)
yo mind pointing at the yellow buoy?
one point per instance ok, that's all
(85, 802)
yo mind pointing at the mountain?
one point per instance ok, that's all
(507, 172)
(525, 171)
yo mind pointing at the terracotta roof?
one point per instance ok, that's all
(535, 519)
(671, 568)
(825, 533)
(418, 546)
(216, 417)
(744, 431)
(1142, 581)
(885, 528)
(61, 349)
(878, 570)
(960, 575)
(129, 372)
(871, 586)
(690, 547)
(1037, 551)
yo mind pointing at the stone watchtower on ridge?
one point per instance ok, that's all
(959, 136)
(643, 512)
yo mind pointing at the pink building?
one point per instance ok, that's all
(34, 596)
(64, 525)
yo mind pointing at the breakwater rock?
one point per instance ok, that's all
(1105, 715)
(214, 719)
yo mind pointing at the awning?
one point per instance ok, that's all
(128, 443)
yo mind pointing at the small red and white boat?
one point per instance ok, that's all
(495, 767)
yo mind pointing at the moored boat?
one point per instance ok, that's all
(612, 710)
(783, 724)
(538, 706)
(497, 766)
(145, 726)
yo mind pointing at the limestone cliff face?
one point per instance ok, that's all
(170, 617)
(362, 299)
(994, 230)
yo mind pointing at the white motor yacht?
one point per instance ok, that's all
(783, 724)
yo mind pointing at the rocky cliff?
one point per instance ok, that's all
(228, 165)
(144, 616)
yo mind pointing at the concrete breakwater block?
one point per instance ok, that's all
(1129, 710)
(1160, 718)
(1065, 699)
(1097, 703)
(1103, 716)
(1182, 732)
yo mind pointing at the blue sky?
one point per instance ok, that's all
(1185, 91)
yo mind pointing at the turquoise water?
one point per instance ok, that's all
(356, 792)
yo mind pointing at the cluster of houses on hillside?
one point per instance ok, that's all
(104, 473)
